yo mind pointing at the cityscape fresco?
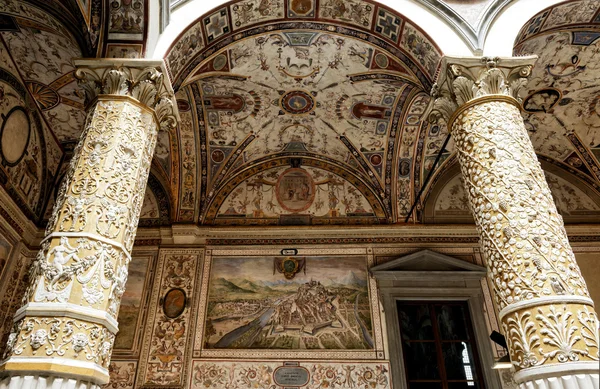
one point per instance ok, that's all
(325, 306)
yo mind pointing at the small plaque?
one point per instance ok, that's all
(291, 376)
(289, 252)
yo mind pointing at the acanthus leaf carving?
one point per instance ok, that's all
(143, 82)
(466, 79)
(560, 334)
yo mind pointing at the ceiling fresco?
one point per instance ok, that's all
(42, 49)
(561, 104)
(325, 95)
(292, 111)
(562, 107)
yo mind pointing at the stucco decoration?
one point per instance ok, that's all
(260, 374)
(87, 249)
(538, 286)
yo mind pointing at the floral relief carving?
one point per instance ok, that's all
(259, 374)
(471, 78)
(63, 338)
(147, 85)
(545, 308)
(560, 333)
(524, 340)
(83, 259)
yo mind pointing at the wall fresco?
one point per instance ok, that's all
(285, 190)
(129, 319)
(325, 306)
(166, 337)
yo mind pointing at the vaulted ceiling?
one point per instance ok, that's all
(294, 111)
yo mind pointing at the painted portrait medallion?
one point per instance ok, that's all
(174, 303)
(297, 102)
(295, 190)
(14, 135)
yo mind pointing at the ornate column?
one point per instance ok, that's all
(545, 309)
(63, 335)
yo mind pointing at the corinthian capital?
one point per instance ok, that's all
(144, 80)
(463, 79)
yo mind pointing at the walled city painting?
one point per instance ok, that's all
(252, 306)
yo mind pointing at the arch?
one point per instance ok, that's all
(214, 203)
(189, 15)
(163, 202)
(583, 206)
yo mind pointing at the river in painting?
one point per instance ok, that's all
(252, 307)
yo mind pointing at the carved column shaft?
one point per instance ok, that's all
(544, 306)
(68, 322)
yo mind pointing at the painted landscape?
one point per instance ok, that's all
(130, 303)
(249, 307)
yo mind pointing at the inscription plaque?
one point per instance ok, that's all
(288, 376)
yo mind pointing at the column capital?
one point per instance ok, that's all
(464, 79)
(144, 80)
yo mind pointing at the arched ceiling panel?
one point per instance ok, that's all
(294, 190)
(561, 108)
(42, 49)
(256, 87)
(576, 200)
(360, 19)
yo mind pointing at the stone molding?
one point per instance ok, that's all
(39, 382)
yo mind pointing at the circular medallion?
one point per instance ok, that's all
(375, 159)
(295, 190)
(174, 303)
(219, 62)
(14, 135)
(217, 156)
(297, 102)
(382, 60)
(183, 105)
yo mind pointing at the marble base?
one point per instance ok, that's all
(575, 381)
(43, 382)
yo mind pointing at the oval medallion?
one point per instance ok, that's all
(14, 135)
(174, 303)
(297, 102)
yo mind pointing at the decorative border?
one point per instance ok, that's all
(370, 34)
(344, 240)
